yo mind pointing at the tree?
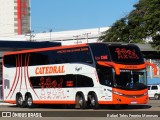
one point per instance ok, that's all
(140, 24)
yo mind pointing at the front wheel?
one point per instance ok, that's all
(156, 96)
(80, 101)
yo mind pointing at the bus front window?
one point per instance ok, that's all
(131, 79)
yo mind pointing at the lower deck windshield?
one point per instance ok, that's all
(128, 79)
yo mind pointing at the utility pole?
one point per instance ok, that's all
(87, 35)
(30, 35)
(50, 33)
(76, 36)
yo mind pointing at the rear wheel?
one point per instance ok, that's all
(94, 101)
(80, 101)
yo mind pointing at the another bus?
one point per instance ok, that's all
(86, 75)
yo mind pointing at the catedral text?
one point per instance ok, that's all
(49, 70)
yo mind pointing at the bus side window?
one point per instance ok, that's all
(84, 81)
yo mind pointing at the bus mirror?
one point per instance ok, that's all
(110, 64)
(153, 66)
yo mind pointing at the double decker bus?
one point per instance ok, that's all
(86, 75)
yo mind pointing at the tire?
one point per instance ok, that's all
(29, 101)
(156, 96)
(94, 101)
(80, 101)
(19, 101)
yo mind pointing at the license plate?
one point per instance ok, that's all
(133, 102)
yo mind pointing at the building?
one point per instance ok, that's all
(153, 56)
(14, 17)
(69, 37)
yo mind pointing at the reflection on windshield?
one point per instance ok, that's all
(129, 79)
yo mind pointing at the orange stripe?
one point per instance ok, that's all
(117, 67)
(53, 102)
(45, 49)
(105, 102)
(10, 101)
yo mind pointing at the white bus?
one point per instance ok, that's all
(86, 75)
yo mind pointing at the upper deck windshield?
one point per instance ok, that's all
(125, 54)
(117, 53)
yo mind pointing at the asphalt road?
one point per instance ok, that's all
(133, 112)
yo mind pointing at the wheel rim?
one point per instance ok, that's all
(20, 100)
(93, 101)
(29, 101)
(80, 101)
(156, 96)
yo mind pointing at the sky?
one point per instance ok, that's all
(62, 15)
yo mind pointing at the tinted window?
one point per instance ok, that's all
(62, 81)
(69, 55)
(126, 54)
(15, 60)
(149, 87)
(74, 55)
(61, 56)
(53, 81)
(84, 81)
(10, 61)
(154, 88)
(39, 58)
(100, 52)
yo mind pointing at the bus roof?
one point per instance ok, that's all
(45, 49)
(55, 46)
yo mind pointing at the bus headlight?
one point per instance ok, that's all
(115, 92)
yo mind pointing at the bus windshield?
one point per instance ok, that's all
(128, 79)
(131, 79)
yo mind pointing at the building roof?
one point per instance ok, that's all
(146, 47)
(11, 45)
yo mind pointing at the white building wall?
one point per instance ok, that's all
(7, 17)
(65, 37)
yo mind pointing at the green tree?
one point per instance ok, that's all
(140, 24)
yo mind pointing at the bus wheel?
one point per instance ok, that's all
(19, 100)
(80, 101)
(29, 101)
(94, 101)
(156, 96)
